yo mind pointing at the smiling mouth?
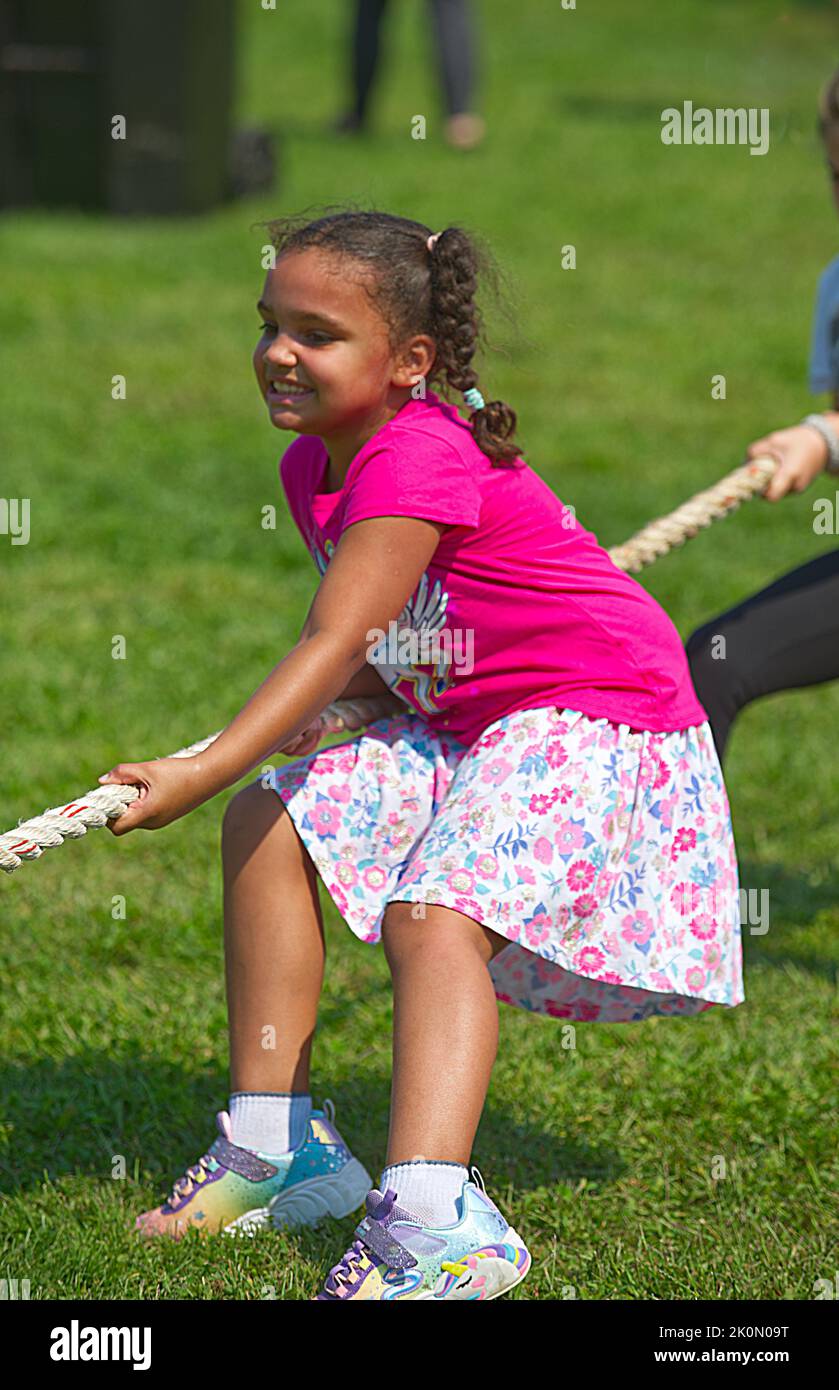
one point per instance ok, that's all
(286, 391)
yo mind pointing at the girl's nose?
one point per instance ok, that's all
(279, 350)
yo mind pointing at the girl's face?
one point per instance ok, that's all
(323, 361)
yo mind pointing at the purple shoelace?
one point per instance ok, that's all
(337, 1283)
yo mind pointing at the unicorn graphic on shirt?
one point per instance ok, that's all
(424, 615)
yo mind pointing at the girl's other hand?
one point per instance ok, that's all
(306, 742)
(801, 453)
(168, 787)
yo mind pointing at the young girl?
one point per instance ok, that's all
(539, 817)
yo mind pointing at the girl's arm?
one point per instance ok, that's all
(376, 567)
(365, 683)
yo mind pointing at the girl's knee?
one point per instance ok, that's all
(408, 927)
(250, 815)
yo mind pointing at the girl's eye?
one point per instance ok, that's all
(316, 333)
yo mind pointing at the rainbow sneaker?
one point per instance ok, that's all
(396, 1256)
(238, 1190)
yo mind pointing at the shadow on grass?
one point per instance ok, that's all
(795, 904)
(81, 1115)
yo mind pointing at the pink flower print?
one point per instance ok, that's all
(686, 898)
(497, 771)
(569, 837)
(558, 726)
(667, 807)
(469, 907)
(347, 874)
(563, 915)
(637, 927)
(518, 905)
(683, 839)
(712, 955)
(580, 876)
(374, 877)
(526, 874)
(662, 777)
(610, 943)
(610, 978)
(339, 897)
(704, 927)
(543, 850)
(541, 802)
(326, 819)
(340, 791)
(486, 865)
(660, 981)
(585, 905)
(546, 970)
(538, 929)
(460, 881)
(695, 978)
(588, 960)
(645, 771)
(554, 1010)
(565, 793)
(345, 763)
(489, 740)
(555, 755)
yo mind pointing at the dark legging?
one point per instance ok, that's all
(453, 35)
(782, 638)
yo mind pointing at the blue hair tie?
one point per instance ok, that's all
(474, 398)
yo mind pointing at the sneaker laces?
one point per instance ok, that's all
(344, 1271)
(195, 1174)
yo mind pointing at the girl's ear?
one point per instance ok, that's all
(416, 360)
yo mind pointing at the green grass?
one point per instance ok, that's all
(146, 523)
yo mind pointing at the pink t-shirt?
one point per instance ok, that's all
(519, 607)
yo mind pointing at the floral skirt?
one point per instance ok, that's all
(605, 855)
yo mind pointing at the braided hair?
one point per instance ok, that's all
(417, 290)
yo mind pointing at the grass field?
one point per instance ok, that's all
(146, 523)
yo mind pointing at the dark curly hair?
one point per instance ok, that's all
(417, 291)
(828, 121)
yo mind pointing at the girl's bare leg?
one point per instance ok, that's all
(273, 942)
(445, 1030)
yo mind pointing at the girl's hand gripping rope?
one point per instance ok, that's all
(168, 788)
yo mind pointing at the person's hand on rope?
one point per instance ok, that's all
(801, 454)
(168, 789)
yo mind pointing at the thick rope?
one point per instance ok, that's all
(70, 822)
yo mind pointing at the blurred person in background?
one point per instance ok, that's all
(454, 37)
(786, 636)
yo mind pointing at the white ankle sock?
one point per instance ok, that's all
(271, 1121)
(428, 1189)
